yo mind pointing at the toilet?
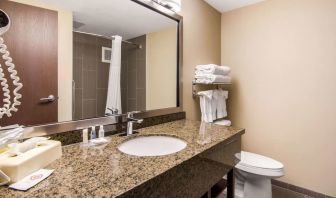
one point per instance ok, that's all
(253, 175)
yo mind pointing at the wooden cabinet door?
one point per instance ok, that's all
(32, 40)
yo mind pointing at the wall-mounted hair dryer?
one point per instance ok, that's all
(8, 106)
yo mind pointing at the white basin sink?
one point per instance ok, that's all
(152, 146)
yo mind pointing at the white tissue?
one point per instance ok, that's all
(19, 148)
(8, 134)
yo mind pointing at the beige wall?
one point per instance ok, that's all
(64, 58)
(201, 45)
(161, 69)
(282, 53)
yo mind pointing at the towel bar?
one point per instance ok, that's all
(194, 83)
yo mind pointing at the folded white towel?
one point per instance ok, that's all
(210, 78)
(212, 69)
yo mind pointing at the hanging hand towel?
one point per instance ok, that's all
(206, 105)
(221, 103)
(214, 103)
(202, 106)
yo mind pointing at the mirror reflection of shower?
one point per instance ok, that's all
(110, 60)
(68, 76)
(113, 100)
(9, 106)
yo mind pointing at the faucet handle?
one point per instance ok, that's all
(131, 114)
(114, 111)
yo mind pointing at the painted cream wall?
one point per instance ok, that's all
(161, 69)
(65, 44)
(282, 53)
(201, 45)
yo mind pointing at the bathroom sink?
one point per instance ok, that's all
(152, 146)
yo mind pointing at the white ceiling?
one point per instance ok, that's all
(228, 5)
(114, 17)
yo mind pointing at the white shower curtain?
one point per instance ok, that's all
(114, 92)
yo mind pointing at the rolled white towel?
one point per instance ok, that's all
(208, 79)
(212, 69)
(223, 122)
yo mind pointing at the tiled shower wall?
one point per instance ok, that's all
(91, 76)
(133, 76)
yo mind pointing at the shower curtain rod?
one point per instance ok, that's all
(110, 38)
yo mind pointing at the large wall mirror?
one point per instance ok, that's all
(83, 59)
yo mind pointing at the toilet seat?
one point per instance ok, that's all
(259, 165)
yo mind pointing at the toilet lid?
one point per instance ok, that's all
(259, 161)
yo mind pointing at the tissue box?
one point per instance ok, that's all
(18, 167)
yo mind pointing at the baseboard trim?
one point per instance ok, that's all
(300, 190)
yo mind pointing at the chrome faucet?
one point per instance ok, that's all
(114, 111)
(130, 121)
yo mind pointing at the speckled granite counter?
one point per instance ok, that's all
(105, 172)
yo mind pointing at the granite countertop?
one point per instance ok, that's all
(106, 172)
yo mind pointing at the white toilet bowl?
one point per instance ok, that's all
(253, 175)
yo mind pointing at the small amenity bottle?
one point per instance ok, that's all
(85, 136)
(93, 133)
(101, 133)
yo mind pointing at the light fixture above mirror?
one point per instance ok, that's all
(174, 5)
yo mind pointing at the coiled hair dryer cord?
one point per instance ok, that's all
(16, 82)
(8, 107)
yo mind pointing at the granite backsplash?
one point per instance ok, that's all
(73, 137)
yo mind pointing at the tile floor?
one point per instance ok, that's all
(278, 192)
